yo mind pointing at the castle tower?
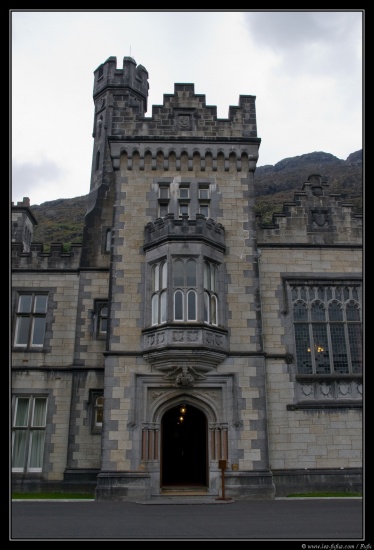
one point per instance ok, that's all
(171, 227)
(185, 339)
(23, 223)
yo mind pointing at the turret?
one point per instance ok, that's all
(125, 89)
(23, 223)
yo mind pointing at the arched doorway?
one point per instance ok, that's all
(184, 447)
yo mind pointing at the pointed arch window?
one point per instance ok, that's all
(159, 292)
(328, 329)
(210, 293)
(185, 289)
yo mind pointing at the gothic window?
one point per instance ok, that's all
(328, 329)
(97, 409)
(159, 292)
(210, 293)
(31, 320)
(100, 319)
(102, 325)
(108, 240)
(185, 289)
(28, 433)
(193, 290)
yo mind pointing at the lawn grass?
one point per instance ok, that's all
(319, 495)
(90, 496)
(52, 496)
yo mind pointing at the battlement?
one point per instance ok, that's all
(169, 229)
(23, 223)
(123, 93)
(25, 203)
(132, 77)
(36, 259)
(313, 217)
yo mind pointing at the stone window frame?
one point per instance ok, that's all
(33, 315)
(200, 289)
(336, 390)
(98, 318)
(25, 427)
(96, 404)
(316, 304)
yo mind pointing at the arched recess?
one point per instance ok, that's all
(184, 441)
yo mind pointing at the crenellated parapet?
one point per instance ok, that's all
(56, 259)
(131, 77)
(170, 229)
(183, 126)
(23, 223)
(314, 217)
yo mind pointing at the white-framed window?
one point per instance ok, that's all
(327, 328)
(97, 410)
(28, 433)
(210, 293)
(184, 192)
(99, 319)
(184, 209)
(204, 199)
(185, 289)
(159, 292)
(108, 240)
(102, 318)
(31, 320)
(163, 200)
(204, 191)
(184, 200)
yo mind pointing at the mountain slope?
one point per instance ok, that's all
(61, 221)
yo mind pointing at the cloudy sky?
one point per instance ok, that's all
(304, 67)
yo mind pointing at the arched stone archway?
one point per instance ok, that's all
(184, 448)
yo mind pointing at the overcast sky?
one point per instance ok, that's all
(304, 67)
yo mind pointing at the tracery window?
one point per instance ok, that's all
(185, 289)
(328, 329)
(191, 284)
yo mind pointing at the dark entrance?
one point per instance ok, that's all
(184, 447)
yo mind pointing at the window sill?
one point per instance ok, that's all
(325, 405)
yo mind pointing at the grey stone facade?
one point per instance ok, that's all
(180, 298)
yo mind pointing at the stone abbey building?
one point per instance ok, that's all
(185, 338)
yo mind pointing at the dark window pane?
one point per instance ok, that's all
(191, 273)
(300, 312)
(352, 312)
(335, 312)
(178, 306)
(178, 273)
(22, 334)
(339, 349)
(318, 312)
(38, 331)
(321, 351)
(24, 304)
(303, 352)
(191, 305)
(355, 344)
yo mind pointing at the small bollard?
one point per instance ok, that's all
(222, 464)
